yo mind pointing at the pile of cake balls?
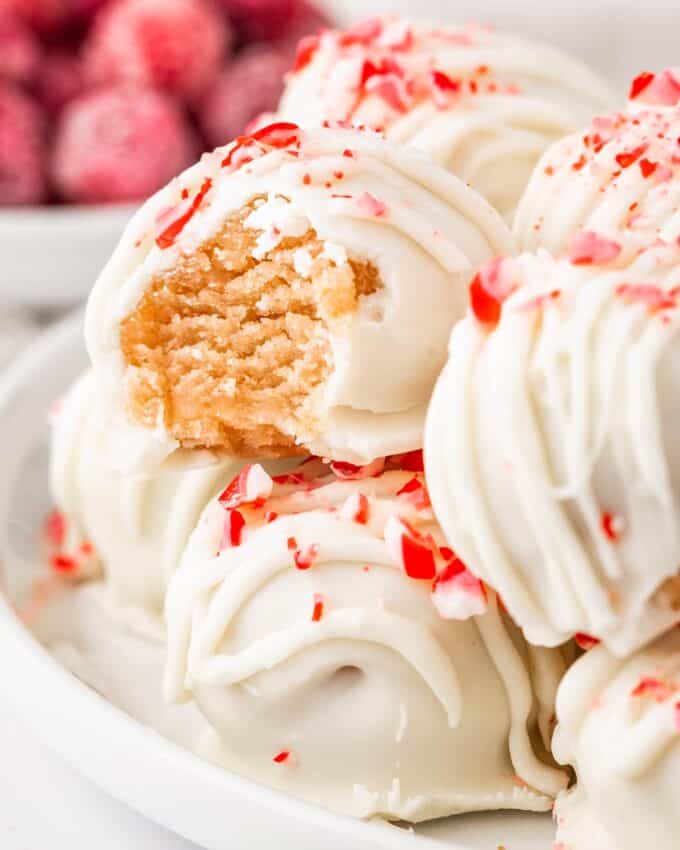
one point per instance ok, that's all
(104, 101)
(380, 431)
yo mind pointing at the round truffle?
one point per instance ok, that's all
(551, 444)
(291, 293)
(305, 621)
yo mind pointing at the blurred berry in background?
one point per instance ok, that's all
(105, 100)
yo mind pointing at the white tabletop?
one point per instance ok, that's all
(44, 805)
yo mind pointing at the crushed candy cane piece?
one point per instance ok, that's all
(457, 594)
(250, 486)
(413, 551)
(589, 248)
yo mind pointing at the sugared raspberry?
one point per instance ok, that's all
(307, 19)
(173, 45)
(248, 86)
(52, 18)
(260, 20)
(22, 155)
(119, 144)
(20, 51)
(61, 79)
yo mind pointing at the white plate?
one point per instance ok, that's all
(51, 256)
(124, 757)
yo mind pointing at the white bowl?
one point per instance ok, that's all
(51, 256)
(123, 756)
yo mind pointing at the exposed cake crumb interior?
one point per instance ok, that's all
(227, 350)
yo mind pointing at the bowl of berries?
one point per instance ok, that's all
(103, 101)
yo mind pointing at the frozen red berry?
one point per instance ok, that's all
(54, 19)
(22, 153)
(260, 20)
(173, 45)
(20, 51)
(250, 85)
(61, 79)
(119, 144)
(306, 20)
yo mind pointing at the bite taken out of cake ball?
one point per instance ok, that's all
(619, 177)
(176, 46)
(22, 149)
(552, 445)
(291, 293)
(119, 144)
(619, 727)
(483, 104)
(309, 621)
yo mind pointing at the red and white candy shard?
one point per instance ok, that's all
(457, 594)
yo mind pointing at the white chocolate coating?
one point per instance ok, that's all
(425, 233)
(552, 447)
(138, 526)
(500, 103)
(377, 705)
(620, 177)
(619, 727)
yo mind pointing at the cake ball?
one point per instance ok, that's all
(619, 177)
(552, 446)
(342, 653)
(292, 292)
(484, 104)
(132, 529)
(619, 726)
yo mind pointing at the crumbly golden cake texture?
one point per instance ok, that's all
(227, 350)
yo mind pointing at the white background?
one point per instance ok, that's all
(43, 804)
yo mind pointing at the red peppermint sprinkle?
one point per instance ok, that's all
(370, 205)
(282, 757)
(280, 134)
(639, 84)
(304, 558)
(612, 526)
(457, 594)
(409, 461)
(291, 543)
(415, 493)
(443, 88)
(585, 641)
(175, 220)
(317, 613)
(649, 687)
(627, 158)
(233, 529)
(63, 564)
(306, 49)
(356, 509)
(270, 516)
(55, 529)
(660, 89)
(351, 472)
(649, 294)
(410, 549)
(289, 478)
(589, 248)
(250, 486)
(647, 167)
(490, 287)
